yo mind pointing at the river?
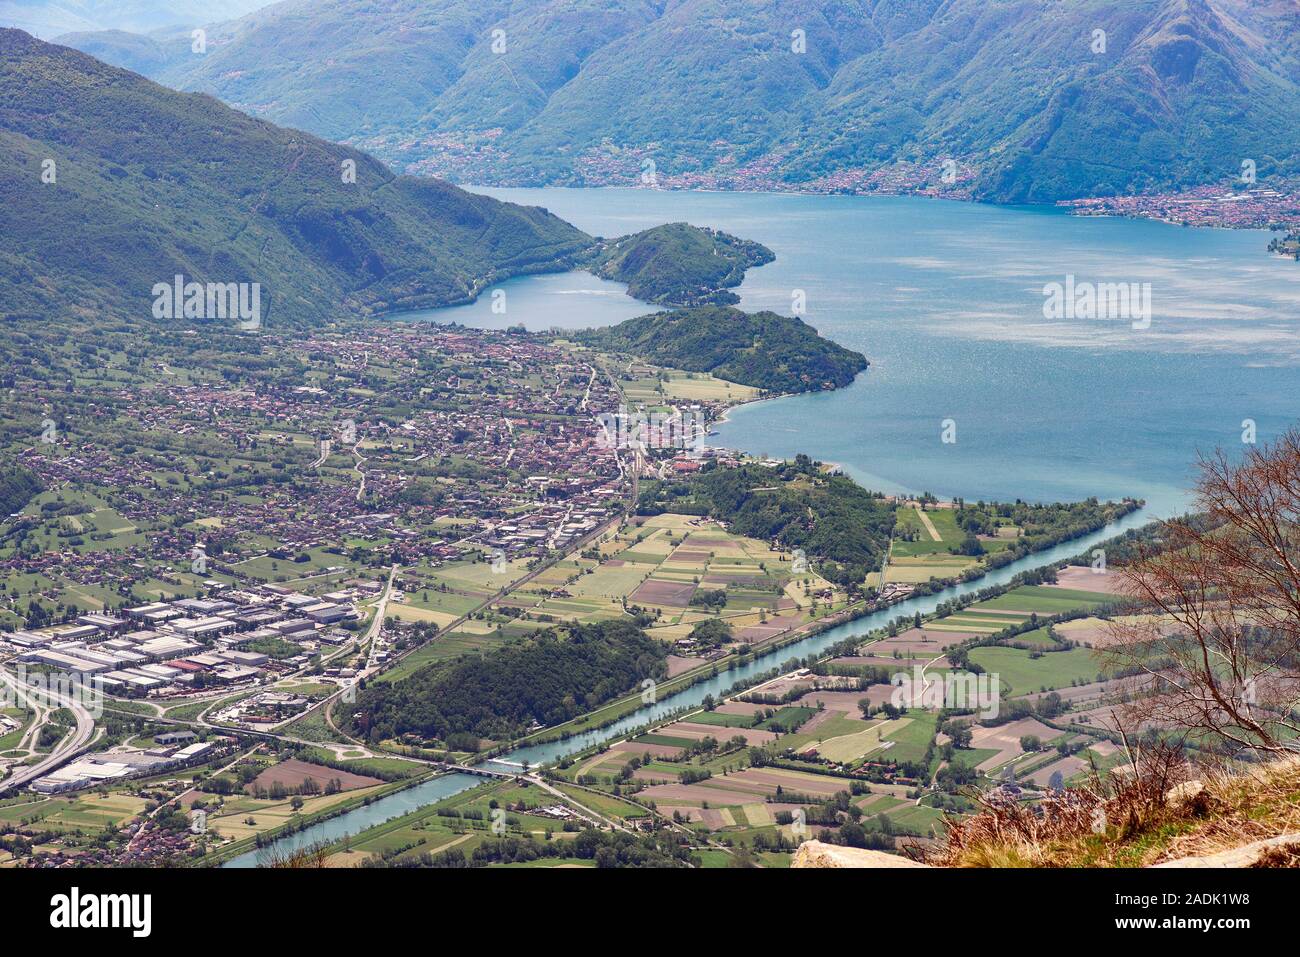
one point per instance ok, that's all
(946, 300)
(403, 802)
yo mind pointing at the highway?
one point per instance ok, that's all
(72, 743)
(76, 741)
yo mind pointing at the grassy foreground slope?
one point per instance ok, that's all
(1160, 813)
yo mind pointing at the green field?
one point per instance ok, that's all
(1043, 599)
(723, 720)
(1024, 674)
(912, 740)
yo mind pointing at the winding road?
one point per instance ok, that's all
(71, 744)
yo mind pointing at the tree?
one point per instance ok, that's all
(960, 734)
(742, 857)
(1221, 656)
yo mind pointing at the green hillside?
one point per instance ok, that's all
(843, 528)
(546, 679)
(113, 184)
(762, 349)
(680, 265)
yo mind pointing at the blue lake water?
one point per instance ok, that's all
(581, 300)
(946, 300)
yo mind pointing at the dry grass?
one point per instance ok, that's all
(1149, 813)
(312, 856)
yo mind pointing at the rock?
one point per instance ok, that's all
(1184, 792)
(817, 854)
(1248, 855)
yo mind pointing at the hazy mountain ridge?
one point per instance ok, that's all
(50, 18)
(587, 91)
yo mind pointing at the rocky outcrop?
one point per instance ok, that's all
(817, 854)
(1273, 852)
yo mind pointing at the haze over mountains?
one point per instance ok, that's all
(113, 184)
(1023, 100)
(49, 18)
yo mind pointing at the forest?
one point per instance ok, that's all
(17, 487)
(543, 680)
(680, 265)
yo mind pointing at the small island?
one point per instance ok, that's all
(678, 264)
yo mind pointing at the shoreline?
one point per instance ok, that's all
(773, 397)
(726, 412)
(1064, 207)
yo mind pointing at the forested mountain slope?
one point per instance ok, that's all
(113, 184)
(1016, 100)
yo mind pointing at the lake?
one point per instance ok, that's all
(946, 300)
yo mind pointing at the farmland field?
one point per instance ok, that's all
(1024, 673)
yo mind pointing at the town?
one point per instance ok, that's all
(222, 539)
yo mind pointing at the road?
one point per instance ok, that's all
(85, 725)
(324, 454)
(328, 703)
(358, 468)
(591, 816)
(371, 668)
(144, 821)
(587, 395)
(377, 625)
(66, 749)
(372, 636)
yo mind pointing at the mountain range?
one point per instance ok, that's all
(1006, 100)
